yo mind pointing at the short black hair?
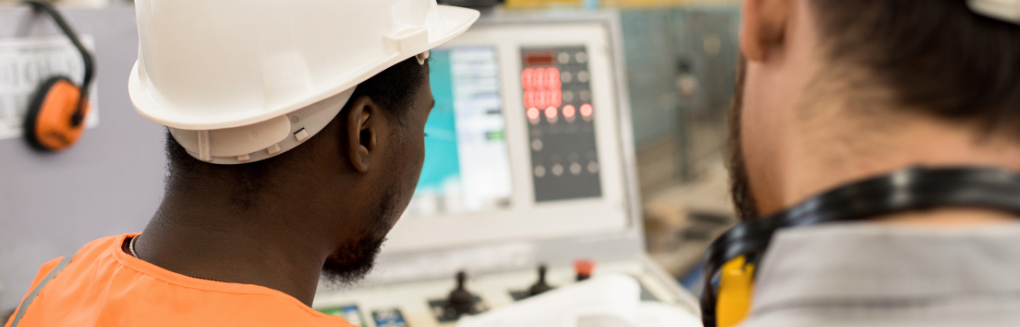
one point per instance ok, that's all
(394, 89)
(937, 56)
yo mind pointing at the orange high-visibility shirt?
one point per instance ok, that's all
(103, 286)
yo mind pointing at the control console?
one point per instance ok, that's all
(528, 160)
(442, 302)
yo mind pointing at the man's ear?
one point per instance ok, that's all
(763, 27)
(362, 132)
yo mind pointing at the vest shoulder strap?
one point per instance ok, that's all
(35, 291)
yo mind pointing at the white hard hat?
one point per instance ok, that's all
(1007, 10)
(239, 81)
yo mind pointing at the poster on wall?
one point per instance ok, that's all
(26, 63)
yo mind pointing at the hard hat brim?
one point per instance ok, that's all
(455, 21)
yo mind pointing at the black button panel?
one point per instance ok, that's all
(561, 123)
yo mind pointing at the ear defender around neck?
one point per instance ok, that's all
(733, 259)
(736, 287)
(55, 118)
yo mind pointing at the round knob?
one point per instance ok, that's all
(584, 269)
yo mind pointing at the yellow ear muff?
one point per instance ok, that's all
(53, 121)
(736, 286)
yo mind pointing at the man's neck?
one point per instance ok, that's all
(847, 153)
(948, 218)
(199, 237)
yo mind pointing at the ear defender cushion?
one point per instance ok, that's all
(48, 121)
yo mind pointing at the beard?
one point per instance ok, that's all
(349, 264)
(740, 183)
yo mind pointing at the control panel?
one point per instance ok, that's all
(525, 135)
(558, 104)
(442, 302)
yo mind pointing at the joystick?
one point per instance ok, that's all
(461, 301)
(540, 286)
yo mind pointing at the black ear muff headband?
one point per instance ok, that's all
(74, 116)
(911, 189)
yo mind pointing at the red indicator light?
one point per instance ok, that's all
(586, 110)
(569, 111)
(550, 112)
(533, 113)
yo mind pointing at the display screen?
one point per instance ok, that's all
(467, 166)
(539, 59)
(351, 313)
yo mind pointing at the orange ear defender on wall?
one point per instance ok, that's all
(56, 115)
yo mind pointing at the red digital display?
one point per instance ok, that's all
(540, 78)
(541, 87)
(539, 59)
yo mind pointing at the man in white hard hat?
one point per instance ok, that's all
(876, 165)
(295, 143)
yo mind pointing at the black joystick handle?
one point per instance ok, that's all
(461, 301)
(540, 286)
